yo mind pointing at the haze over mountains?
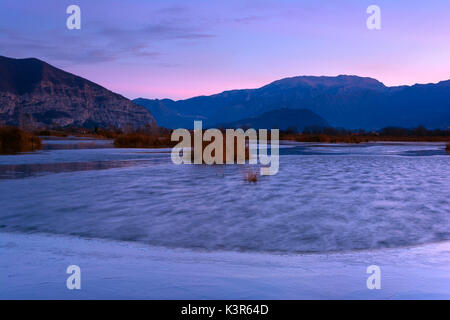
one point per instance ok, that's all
(36, 94)
(349, 102)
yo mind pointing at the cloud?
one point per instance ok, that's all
(248, 19)
(173, 10)
(120, 37)
(156, 32)
(105, 40)
(62, 49)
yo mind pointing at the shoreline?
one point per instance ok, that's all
(124, 270)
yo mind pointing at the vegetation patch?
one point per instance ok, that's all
(250, 176)
(143, 140)
(14, 140)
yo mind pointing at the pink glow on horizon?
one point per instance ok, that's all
(146, 87)
(179, 49)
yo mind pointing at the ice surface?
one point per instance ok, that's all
(324, 198)
(34, 267)
(142, 227)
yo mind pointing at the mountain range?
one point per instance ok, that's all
(284, 119)
(344, 101)
(36, 94)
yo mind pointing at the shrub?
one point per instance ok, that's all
(245, 156)
(250, 175)
(13, 140)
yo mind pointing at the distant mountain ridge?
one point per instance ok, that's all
(283, 119)
(350, 102)
(34, 93)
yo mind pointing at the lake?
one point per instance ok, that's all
(325, 198)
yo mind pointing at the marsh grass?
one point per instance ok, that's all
(250, 175)
(332, 135)
(14, 140)
(324, 138)
(143, 140)
(223, 156)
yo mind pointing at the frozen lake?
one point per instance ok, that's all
(326, 199)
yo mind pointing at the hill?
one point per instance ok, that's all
(284, 119)
(344, 101)
(36, 94)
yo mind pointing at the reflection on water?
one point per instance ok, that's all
(22, 170)
(72, 143)
(16, 171)
(324, 198)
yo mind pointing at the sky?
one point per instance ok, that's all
(180, 49)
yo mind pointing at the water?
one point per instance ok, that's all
(324, 198)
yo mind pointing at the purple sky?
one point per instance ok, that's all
(178, 49)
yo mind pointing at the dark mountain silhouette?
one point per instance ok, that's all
(344, 101)
(283, 119)
(34, 93)
(166, 114)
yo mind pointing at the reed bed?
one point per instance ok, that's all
(143, 140)
(14, 140)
